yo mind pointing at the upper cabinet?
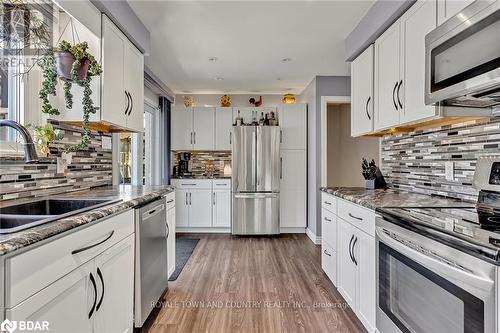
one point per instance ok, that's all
(223, 126)
(400, 68)
(122, 92)
(292, 121)
(193, 128)
(362, 93)
(449, 8)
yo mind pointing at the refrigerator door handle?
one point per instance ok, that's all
(256, 195)
(256, 165)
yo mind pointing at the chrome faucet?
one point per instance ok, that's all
(30, 155)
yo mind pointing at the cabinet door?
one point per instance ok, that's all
(293, 121)
(221, 209)
(203, 128)
(364, 252)
(362, 93)
(293, 189)
(200, 208)
(223, 126)
(347, 268)
(171, 241)
(387, 49)
(115, 280)
(134, 85)
(419, 20)
(449, 8)
(114, 100)
(181, 208)
(181, 136)
(65, 304)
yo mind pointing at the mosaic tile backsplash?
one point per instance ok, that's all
(208, 163)
(416, 161)
(89, 168)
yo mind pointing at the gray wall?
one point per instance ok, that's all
(319, 86)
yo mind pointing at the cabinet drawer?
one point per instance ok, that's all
(35, 269)
(362, 218)
(192, 183)
(329, 227)
(221, 184)
(329, 202)
(329, 262)
(170, 200)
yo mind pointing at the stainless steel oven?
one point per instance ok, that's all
(427, 286)
(463, 58)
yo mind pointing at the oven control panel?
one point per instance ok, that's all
(487, 173)
(495, 174)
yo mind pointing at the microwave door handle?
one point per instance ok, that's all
(393, 97)
(439, 267)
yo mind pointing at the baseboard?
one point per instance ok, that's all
(171, 271)
(203, 230)
(288, 230)
(312, 236)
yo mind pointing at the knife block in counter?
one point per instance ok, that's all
(377, 183)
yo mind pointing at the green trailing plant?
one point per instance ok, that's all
(43, 135)
(81, 57)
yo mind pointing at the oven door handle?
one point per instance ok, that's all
(435, 265)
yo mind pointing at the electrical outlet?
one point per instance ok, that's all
(106, 142)
(449, 170)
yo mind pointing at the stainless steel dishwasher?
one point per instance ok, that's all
(151, 272)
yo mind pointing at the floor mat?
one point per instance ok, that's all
(184, 247)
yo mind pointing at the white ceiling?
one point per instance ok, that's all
(249, 38)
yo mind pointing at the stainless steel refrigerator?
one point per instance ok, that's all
(256, 168)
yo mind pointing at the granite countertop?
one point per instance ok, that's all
(374, 199)
(130, 196)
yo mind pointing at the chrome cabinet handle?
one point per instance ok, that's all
(99, 274)
(394, 98)
(350, 248)
(190, 198)
(95, 295)
(186, 198)
(328, 254)
(281, 167)
(167, 230)
(366, 108)
(230, 138)
(281, 136)
(194, 137)
(327, 203)
(399, 100)
(191, 138)
(131, 103)
(188, 184)
(93, 245)
(128, 103)
(355, 217)
(353, 255)
(213, 195)
(170, 201)
(327, 219)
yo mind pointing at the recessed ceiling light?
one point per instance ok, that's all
(213, 59)
(286, 59)
(219, 78)
(288, 89)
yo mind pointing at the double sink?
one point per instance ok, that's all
(23, 216)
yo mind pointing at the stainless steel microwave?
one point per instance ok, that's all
(463, 58)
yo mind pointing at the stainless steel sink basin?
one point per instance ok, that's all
(23, 216)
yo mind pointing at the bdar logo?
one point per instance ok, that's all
(8, 326)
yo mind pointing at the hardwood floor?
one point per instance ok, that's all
(249, 284)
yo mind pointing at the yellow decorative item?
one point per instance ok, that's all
(288, 99)
(188, 101)
(225, 101)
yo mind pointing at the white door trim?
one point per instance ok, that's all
(325, 100)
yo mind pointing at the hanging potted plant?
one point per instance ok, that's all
(73, 65)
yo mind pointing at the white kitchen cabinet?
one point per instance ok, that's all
(71, 295)
(292, 122)
(346, 267)
(200, 208)
(449, 8)
(115, 273)
(387, 78)
(223, 127)
(122, 85)
(364, 251)
(329, 261)
(203, 128)
(181, 207)
(221, 208)
(293, 191)
(171, 240)
(362, 93)
(181, 137)
(417, 22)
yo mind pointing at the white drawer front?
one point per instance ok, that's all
(221, 184)
(192, 183)
(329, 262)
(170, 200)
(329, 202)
(329, 228)
(35, 269)
(360, 217)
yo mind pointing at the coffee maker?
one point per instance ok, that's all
(184, 160)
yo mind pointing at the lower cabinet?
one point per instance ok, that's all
(347, 267)
(200, 208)
(94, 297)
(221, 213)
